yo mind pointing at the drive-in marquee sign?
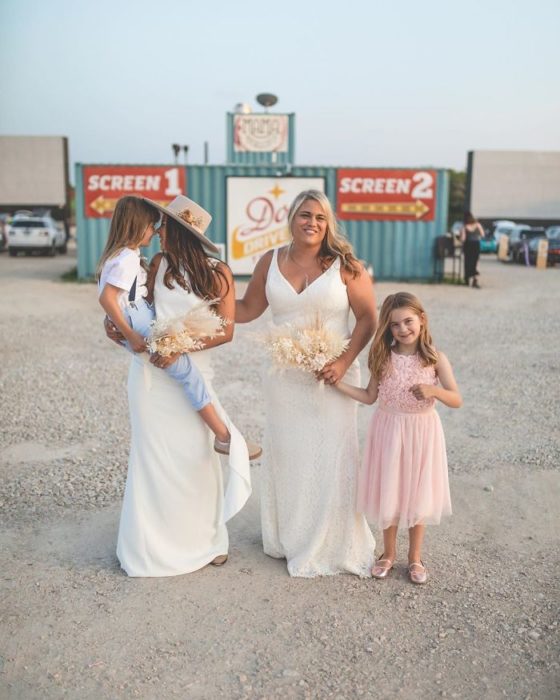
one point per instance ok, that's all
(104, 185)
(386, 195)
(260, 133)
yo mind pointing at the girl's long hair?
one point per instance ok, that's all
(468, 218)
(131, 217)
(334, 243)
(380, 352)
(185, 253)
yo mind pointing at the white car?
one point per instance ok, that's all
(29, 233)
(502, 228)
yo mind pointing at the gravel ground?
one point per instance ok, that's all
(72, 625)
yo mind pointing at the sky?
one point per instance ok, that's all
(371, 83)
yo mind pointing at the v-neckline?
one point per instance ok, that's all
(291, 286)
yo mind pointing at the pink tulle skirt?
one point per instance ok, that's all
(403, 479)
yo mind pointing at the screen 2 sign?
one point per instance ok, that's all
(386, 195)
(104, 185)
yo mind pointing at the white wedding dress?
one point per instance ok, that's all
(311, 456)
(174, 512)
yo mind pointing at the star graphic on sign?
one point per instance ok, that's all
(276, 191)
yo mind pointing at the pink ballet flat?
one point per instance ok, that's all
(417, 573)
(382, 567)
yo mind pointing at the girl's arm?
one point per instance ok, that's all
(367, 395)
(362, 302)
(254, 300)
(448, 392)
(109, 300)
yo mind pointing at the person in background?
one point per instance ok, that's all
(471, 235)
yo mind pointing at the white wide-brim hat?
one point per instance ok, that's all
(190, 215)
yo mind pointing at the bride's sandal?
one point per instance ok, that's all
(222, 448)
(382, 567)
(220, 560)
(417, 572)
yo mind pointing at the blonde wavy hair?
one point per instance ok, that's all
(131, 217)
(334, 244)
(379, 357)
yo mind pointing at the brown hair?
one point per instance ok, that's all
(334, 243)
(468, 218)
(380, 351)
(185, 253)
(131, 217)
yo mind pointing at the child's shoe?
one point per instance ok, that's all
(417, 572)
(382, 567)
(222, 448)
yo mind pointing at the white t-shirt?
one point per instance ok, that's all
(121, 271)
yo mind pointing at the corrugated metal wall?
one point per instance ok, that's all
(397, 250)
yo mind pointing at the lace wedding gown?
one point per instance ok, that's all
(174, 511)
(311, 457)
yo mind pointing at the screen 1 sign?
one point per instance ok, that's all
(386, 195)
(104, 185)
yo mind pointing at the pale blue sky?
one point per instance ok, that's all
(371, 83)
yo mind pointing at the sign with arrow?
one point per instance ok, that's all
(386, 195)
(104, 185)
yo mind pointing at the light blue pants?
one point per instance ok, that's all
(140, 315)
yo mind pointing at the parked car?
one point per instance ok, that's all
(552, 233)
(4, 218)
(488, 244)
(519, 238)
(29, 233)
(502, 227)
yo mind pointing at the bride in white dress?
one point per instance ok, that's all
(311, 455)
(174, 511)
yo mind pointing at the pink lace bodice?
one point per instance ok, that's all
(404, 372)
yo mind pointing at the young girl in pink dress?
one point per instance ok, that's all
(403, 481)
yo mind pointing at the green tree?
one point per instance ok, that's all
(457, 196)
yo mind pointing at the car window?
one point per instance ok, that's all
(30, 223)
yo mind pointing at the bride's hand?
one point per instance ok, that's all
(163, 362)
(333, 372)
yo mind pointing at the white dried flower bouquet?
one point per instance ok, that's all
(306, 347)
(188, 332)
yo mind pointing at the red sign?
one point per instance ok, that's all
(386, 195)
(104, 185)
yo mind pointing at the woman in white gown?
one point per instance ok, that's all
(311, 456)
(173, 515)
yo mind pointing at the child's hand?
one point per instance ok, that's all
(112, 332)
(137, 342)
(421, 392)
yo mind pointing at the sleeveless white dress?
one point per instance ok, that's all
(311, 457)
(173, 514)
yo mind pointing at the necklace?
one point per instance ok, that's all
(301, 267)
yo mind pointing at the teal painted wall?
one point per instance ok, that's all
(397, 250)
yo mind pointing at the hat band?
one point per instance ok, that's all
(187, 216)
